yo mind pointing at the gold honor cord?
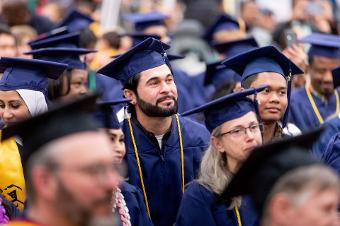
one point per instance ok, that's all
(315, 108)
(139, 164)
(238, 216)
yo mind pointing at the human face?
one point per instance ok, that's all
(159, 30)
(238, 146)
(117, 144)
(321, 74)
(156, 93)
(8, 47)
(273, 101)
(12, 107)
(319, 209)
(78, 85)
(85, 177)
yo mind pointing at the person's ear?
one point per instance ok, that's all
(129, 94)
(280, 208)
(217, 143)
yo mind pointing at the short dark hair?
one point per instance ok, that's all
(225, 88)
(132, 83)
(248, 81)
(113, 39)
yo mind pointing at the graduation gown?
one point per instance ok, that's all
(135, 203)
(331, 127)
(302, 113)
(162, 167)
(199, 208)
(331, 155)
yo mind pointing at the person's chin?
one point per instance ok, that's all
(272, 117)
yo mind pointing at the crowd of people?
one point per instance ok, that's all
(162, 113)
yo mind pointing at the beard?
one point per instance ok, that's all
(155, 110)
(78, 214)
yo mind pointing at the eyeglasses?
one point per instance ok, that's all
(100, 172)
(242, 131)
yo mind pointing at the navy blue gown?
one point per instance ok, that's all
(199, 208)
(331, 155)
(331, 127)
(162, 167)
(135, 203)
(302, 113)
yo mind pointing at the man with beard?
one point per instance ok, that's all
(69, 168)
(267, 66)
(163, 149)
(313, 103)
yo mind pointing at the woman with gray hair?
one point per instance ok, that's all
(235, 132)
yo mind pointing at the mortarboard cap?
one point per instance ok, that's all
(145, 20)
(146, 55)
(73, 117)
(69, 56)
(336, 77)
(140, 37)
(233, 48)
(266, 164)
(70, 40)
(223, 23)
(325, 45)
(107, 116)
(217, 73)
(54, 33)
(227, 108)
(76, 21)
(30, 74)
(264, 59)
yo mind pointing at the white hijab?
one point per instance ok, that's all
(35, 101)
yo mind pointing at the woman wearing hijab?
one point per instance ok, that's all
(23, 94)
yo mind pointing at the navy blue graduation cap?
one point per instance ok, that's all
(233, 48)
(140, 37)
(61, 120)
(266, 164)
(107, 116)
(336, 77)
(145, 20)
(76, 21)
(325, 45)
(54, 33)
(223, 23)
(227, 108)
(265, 59)
(146, 55)
(70, 40)
(69, 56)
(28, 74)
(217, 73)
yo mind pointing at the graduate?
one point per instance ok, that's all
(64, 49)
(152, 23)
(23, 94)
(313, 103)
(163, 149)
(268, 66)
(129, 202)
(287, 185)
(69, 167)
(331, 127)
(235, 130)
(225, 29)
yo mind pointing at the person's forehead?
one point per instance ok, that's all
(244, 121)
(84, 147)
(10, 94)
(271, 79)
(321, 60)
(159, 71)
(6, 37)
